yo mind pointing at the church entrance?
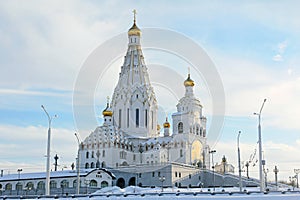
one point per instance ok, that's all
(121, 182)
(132, 181)
(196, 152)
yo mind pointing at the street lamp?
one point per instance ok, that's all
(262, 184)
(276, 170)
(78, 166)
(48, 152)
(19, 174)
(213, 167)
(239, 161)
(297, 171)
(247, 166)
(162, 179)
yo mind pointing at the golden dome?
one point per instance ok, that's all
(189, 81)
(134, 30)
(166, 124)
(158, 127)
(107, 111)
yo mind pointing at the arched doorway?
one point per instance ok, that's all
(196, 152)
(121, 183)
(132, 181)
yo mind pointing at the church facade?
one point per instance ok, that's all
(130, 135)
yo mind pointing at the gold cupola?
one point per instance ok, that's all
(107, 111)
(189, 81)
(134, 30)
(166, 124)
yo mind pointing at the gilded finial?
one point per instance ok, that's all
(134, 15)
(107, 100)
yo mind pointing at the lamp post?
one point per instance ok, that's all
(262, 184)
(213, 167)
(78, 166)
(276, 170)
(48, 151)
(19, 174)
(162, 179)
(297, 171)
(247, 166)
(239, 161)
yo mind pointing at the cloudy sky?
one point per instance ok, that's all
(254, 45)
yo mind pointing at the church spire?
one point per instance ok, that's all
(134, 103)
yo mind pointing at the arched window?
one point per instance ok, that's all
(53, 184)
(29, 186)
(93, 183)
(197, 130)
(201, 131)
(181, 152)
(74, 183)
(92, 154)
(92, 165)
(8, 186)
(87, 165)
(180, 127)
(19, 186)
(64, 184)
(87, 154)
(104, 184)
(41, 185)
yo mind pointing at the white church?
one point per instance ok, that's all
(128, 148)
(130, 135)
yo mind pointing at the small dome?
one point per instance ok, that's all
(107, 111)
(158, 127)
(166, 124)
(134, 30)
(189, 81)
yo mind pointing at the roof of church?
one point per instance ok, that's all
(53, 174)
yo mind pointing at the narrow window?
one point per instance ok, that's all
(152, 123)
(127, 117)
(137, 117)
(120, 118)
(103, 153)
(180, 127)
(146, 118)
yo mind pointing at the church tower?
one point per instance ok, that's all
(189, 118)
(134, 103)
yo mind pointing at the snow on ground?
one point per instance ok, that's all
(133, 193)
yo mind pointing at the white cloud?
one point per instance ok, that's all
(280, 50)
(247, 83)
(26, 147)
(277, 57)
